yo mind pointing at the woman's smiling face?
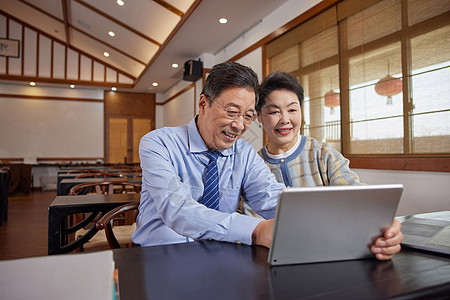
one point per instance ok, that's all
(281, 117)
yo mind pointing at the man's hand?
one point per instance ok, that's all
(262, 235)
(388, 244)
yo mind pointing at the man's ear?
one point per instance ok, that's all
(202, 103)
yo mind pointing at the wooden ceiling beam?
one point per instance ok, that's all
(169, 7)
(55, 39)
(64, 5)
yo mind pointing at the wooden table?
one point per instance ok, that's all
(62, 176)
(63, 170)
(4, 185)
(217, 270)
(66, 184)
(64, 206)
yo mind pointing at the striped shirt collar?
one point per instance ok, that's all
(287, 156)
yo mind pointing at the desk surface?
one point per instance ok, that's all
(215, 270)
(93, 199)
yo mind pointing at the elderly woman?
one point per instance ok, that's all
(298, 160)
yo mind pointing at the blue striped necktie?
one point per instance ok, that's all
(211, 192)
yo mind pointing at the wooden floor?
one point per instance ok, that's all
(25, 232)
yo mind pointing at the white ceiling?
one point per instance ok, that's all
(150, 34)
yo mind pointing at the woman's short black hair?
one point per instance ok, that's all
(227, 75)
(277, 81)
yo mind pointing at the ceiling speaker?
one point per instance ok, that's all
(193, 70)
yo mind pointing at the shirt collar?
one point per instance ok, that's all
(196, 143)
(287, 159)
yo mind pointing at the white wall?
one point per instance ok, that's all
(50, 128)
(180, 110)
(254, 134)
(423, 191)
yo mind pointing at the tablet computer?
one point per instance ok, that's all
(331, 223)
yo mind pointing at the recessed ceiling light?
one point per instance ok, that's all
(155, 83)
(32, 83)
(120, 2)
(111, 33)
(223, 20)
(113, 89)
(72, 86)
(174, 66)
(106, 54)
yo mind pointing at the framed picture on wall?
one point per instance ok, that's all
(9, 48)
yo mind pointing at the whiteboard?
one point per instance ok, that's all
(50, 128)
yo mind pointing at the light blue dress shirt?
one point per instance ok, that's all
(173, 169)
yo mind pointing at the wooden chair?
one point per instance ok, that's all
(127, 168)
(106, 187)
(84, 171)
(127, 218)
(99, 175)
(123, 234)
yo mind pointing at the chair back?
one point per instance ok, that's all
(106, 222)
(84, 171)
(106, 187)
(99, 175)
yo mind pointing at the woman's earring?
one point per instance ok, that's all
(259, 125)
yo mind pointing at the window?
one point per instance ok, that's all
(376, 76)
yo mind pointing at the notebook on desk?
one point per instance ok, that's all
(428, 231)
(319, 224)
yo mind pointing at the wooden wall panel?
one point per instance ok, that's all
(72, 64)
(59, 58)
(99, 72)
(118, 142)
(131, 104)
(111, 75)
(29, 52)
(432, 164)
(140, 128)
(14, 65)
(85, 68)
(139, 111)
(45, 57)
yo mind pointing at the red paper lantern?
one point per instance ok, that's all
(332, 99)
(389, 86)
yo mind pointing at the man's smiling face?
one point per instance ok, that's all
(218, 131)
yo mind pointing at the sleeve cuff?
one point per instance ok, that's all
(241, 228)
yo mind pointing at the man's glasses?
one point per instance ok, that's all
(234, 114)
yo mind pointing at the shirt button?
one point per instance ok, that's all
(282, 160)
